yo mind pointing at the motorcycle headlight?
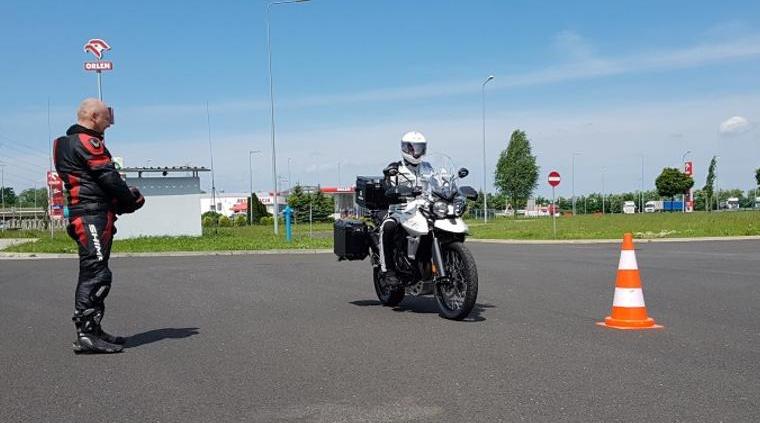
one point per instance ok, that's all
(460, 206)
(440, 209)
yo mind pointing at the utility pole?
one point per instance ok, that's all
(250, 172)
(2, 191)
(211, 153)
(485, 185)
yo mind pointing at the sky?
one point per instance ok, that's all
(617, 87)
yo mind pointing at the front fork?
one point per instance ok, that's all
(440, 269)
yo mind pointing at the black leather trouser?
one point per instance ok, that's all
(93, 233)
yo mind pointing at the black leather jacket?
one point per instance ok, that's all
(92, 182)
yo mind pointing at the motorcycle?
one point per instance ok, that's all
(429, 256)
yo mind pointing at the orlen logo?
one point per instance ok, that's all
(96, 46)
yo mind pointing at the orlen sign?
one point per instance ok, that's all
(98, 66)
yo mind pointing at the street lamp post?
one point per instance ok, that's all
(290, 183)
(603, 191)
(683, 195)
(573, 179)
(2, 191)
(641, 189)
(271, 100)
(485, 189)
(250, 173)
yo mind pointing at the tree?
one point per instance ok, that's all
(757, 176)
(323, 206)
(709, 187)
(299, 201)
(258, 209)
(33, 197)
(672, 182)
(516, 173)
(8, 196)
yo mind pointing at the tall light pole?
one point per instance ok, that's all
(573, 182)
(290, 183)
(271, 100)
(2, 190)
(211, 154)
(641, 190)
(603, 191)
(485, 189)
(683, 195)
(250, 173)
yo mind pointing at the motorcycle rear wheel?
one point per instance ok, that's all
(456, 297)
(389, 296)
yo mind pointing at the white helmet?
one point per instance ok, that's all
(413, 147)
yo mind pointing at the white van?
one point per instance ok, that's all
(629, 207)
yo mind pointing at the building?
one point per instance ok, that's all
(172, 202)
(229, 204)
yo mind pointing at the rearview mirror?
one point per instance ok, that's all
(463, 172)
(468, 192)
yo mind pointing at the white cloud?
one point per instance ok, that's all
(736, 125)
(573, 45)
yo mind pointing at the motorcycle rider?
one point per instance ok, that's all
(412, 172)
(96, 194)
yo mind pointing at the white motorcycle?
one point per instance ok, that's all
(429, 255)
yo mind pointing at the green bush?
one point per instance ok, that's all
(208, 221)
(269, 220)
(225, 222)
(240, 220)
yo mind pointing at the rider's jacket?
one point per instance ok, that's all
(92, 182)
(415, 177)
(412, 176)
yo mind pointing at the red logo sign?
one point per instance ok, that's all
(554, 178)
(96, 46)
(688, 168)
(55, 186)
(98, 66)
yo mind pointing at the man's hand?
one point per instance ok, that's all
(132, 206)
(140, 200)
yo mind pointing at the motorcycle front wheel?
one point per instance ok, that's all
(457, 294)
(389, 296)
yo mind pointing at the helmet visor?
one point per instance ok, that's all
(414, 149)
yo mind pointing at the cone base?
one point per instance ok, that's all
(612, 323)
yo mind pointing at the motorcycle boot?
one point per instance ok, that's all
(88, 340)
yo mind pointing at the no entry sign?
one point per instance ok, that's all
(554, 178)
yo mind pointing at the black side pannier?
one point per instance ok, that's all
(351, 240)
(370, 193)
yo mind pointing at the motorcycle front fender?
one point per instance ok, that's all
(452, 225)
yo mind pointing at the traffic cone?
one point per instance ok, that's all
(628, 308)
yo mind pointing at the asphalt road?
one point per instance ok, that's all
(302, 338)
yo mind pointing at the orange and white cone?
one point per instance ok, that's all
(628, 308)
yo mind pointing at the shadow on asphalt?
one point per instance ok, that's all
(156, 335)
(427, 305)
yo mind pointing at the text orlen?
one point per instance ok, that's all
(98, 66)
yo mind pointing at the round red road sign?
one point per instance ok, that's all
(554, 178)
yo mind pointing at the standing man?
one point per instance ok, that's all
(96, 193)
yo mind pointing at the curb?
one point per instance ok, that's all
(609, 241)
(42, 256)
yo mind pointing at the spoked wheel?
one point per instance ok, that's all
(388, 295)
(456, 296)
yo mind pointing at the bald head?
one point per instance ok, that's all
(94, 114)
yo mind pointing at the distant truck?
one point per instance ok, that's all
(732, 203)
(757, 202)
(629, 207)
(655, 206)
